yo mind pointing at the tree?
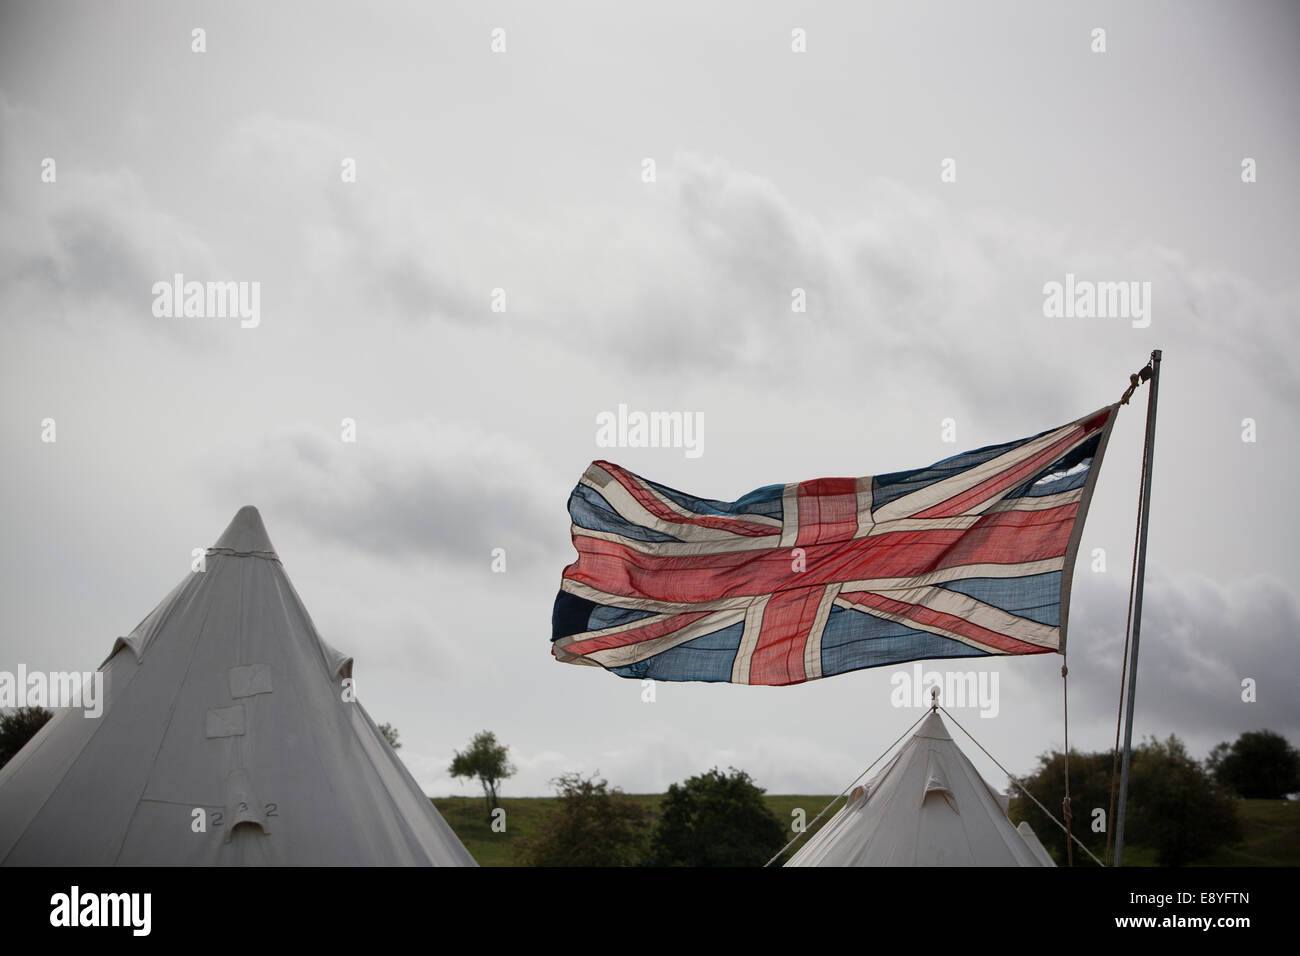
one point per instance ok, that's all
(592, 826)
(1175, 806)
(18, 727)
(1258, 765)
(715, 819)
(1089, 791)
(486, 760)
(390, 734)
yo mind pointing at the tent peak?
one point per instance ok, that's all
(245, 533)
(928, 807)
(933, 727)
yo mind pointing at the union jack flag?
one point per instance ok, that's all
(969, 557)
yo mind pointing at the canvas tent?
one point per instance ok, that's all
(224, 700)
(929, 806)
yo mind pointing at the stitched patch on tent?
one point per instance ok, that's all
(249, 679)
(226, 721)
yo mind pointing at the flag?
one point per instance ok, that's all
(970, 557)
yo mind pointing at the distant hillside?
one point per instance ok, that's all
(1271, 828)
(523, 814)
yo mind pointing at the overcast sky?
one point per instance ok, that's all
(522, 170)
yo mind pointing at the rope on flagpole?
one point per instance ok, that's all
(1065, 804)
(1136, 379)
(1016, 780)
(1123, 676)
(809, 827)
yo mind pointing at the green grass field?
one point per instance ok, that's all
(1271, 828)
(1270, 837)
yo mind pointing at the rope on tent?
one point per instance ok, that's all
(231, 552)
(809, 827)
(1135, 379)
(1016, 780)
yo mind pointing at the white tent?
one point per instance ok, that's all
(928, 807)
(224, 700)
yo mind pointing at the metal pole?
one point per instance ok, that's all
(1137, 603)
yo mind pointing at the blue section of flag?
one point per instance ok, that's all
(1033, 596)
(603, 616)
(707, 658)
(1066, 474)
(762, 501)
(590, 510)
(887, 488)
(852, 640)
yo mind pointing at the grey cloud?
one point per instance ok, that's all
(86, 250)
(1200, 638)
(414, 489)
(360, 251)
(909, 288)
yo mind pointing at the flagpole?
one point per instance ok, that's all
(1137, 601)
